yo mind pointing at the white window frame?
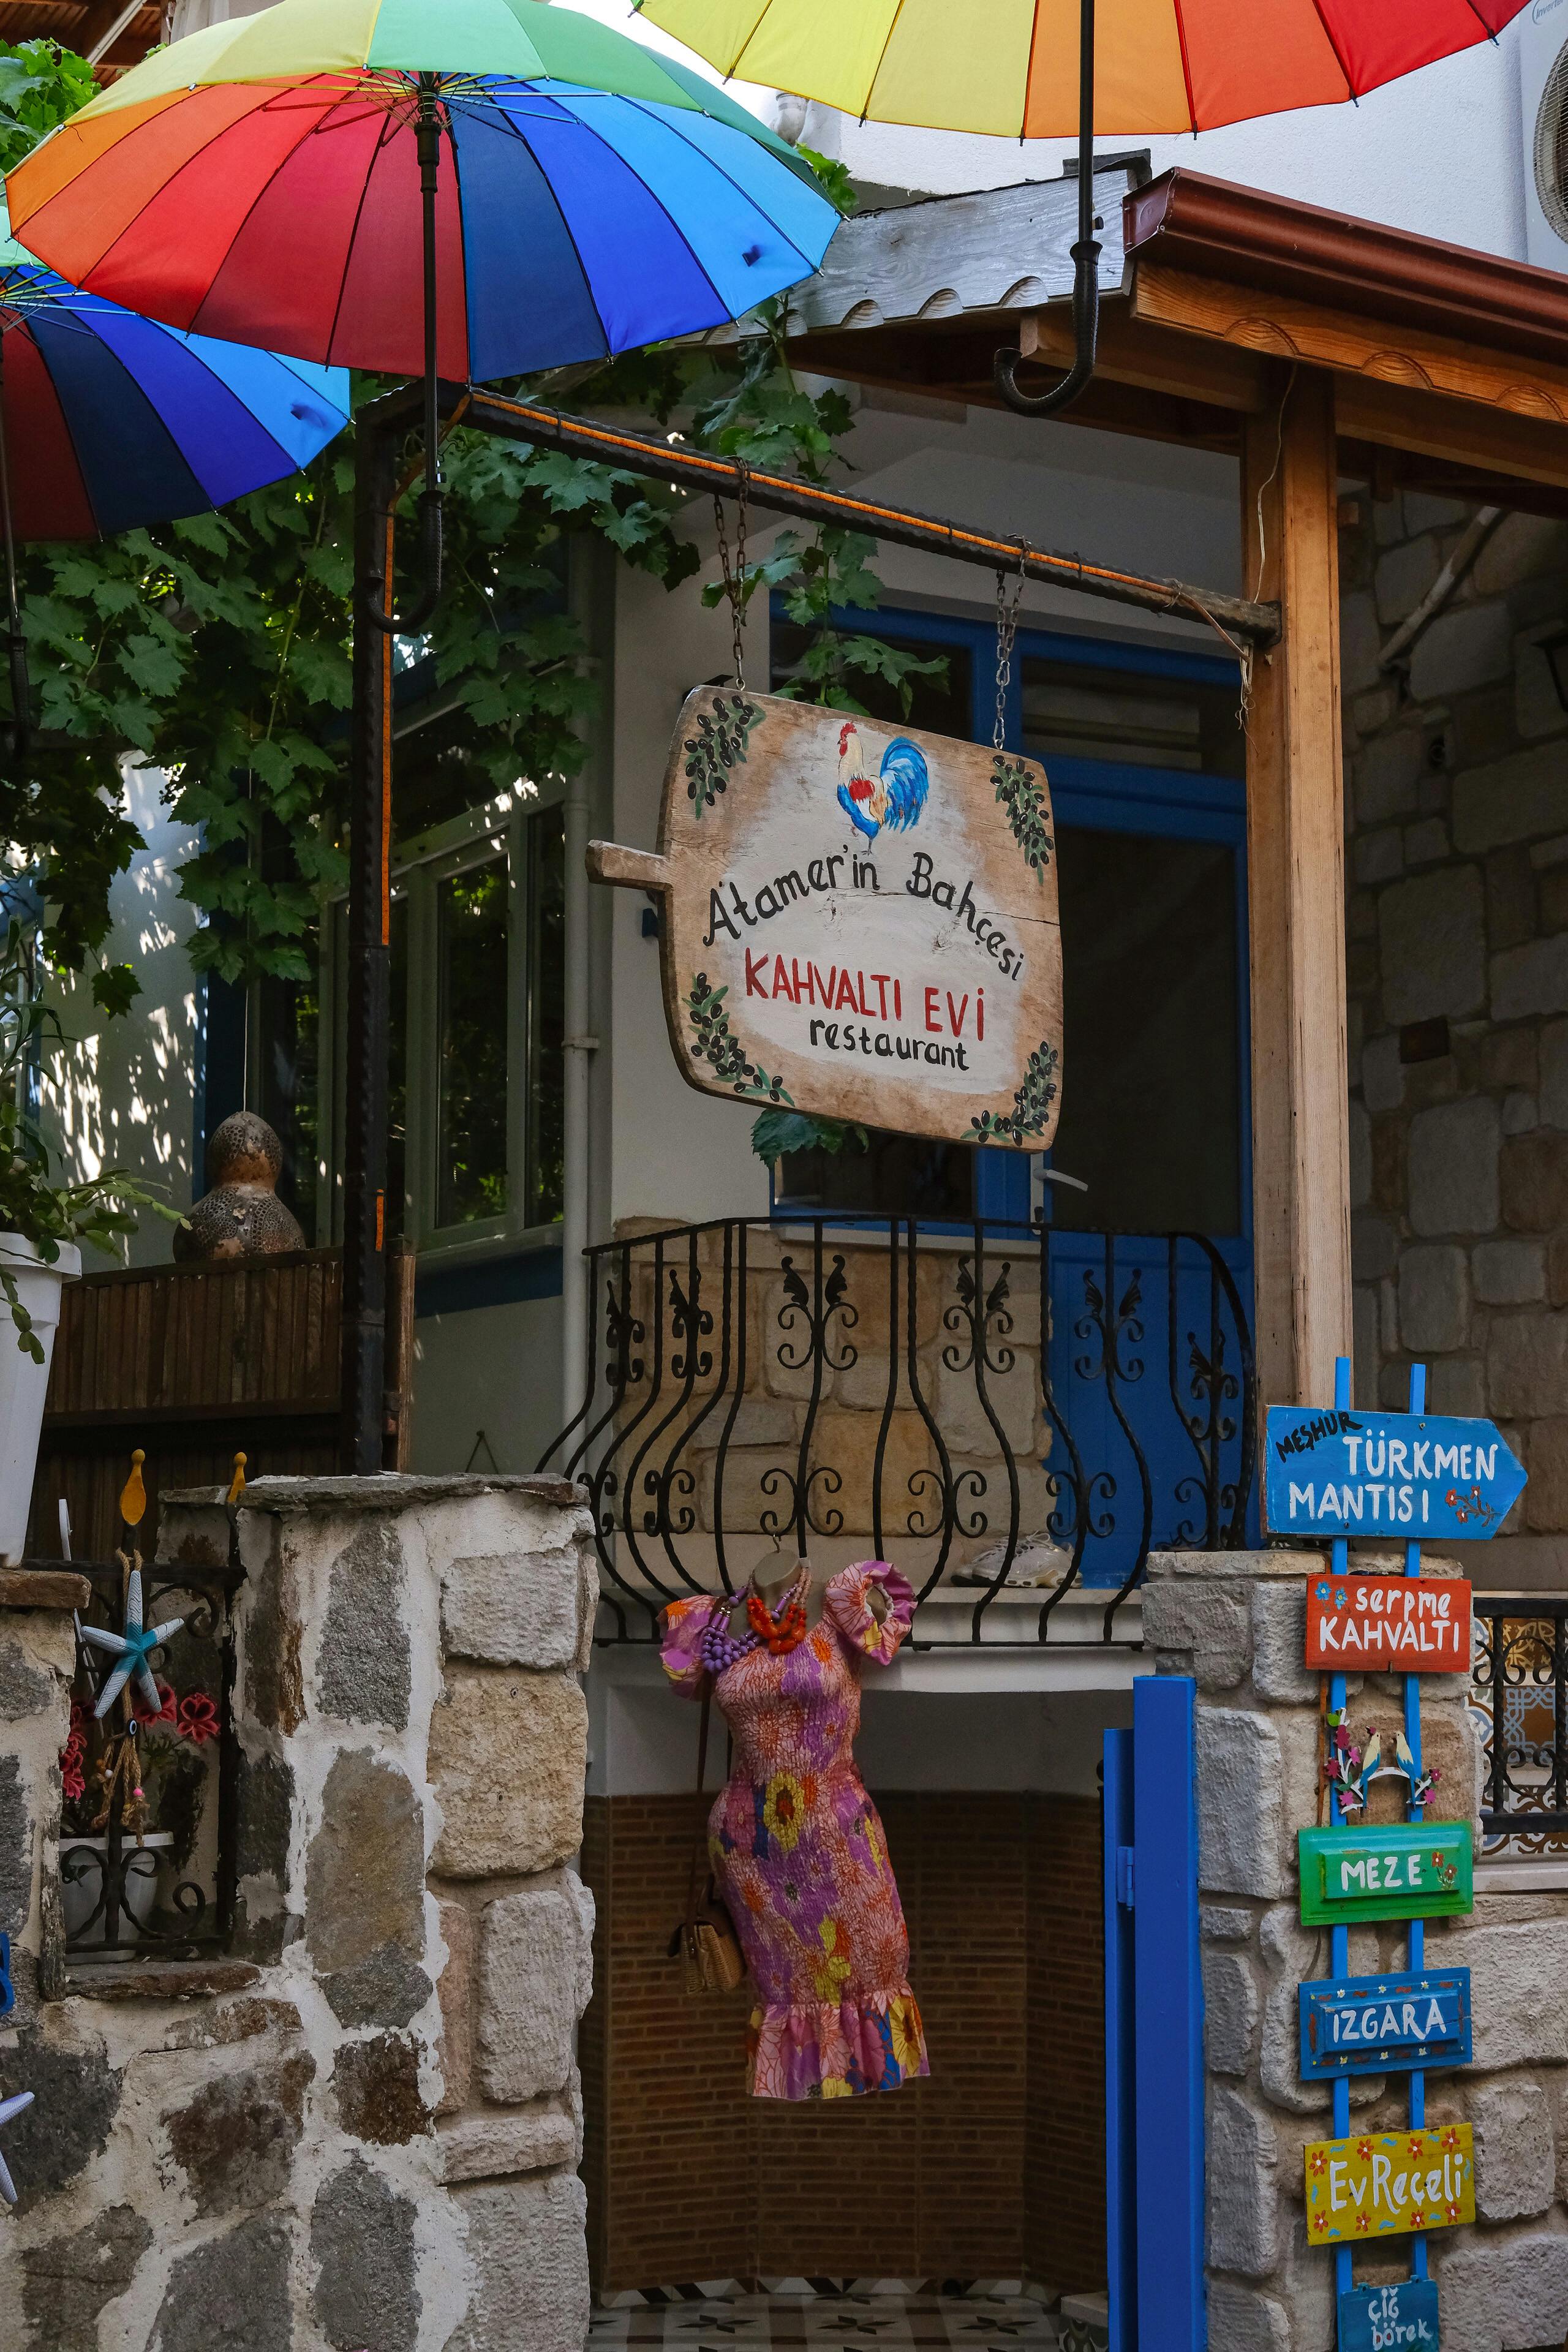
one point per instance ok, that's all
(498, 828)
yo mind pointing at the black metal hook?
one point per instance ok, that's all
(1085, 262)
(427, 138)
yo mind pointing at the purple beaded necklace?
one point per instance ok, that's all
(720, 1648)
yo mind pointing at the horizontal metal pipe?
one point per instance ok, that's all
(1236, 617)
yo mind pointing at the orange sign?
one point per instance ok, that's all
(1415, 1625)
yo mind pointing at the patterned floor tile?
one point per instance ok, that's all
(859, 2315)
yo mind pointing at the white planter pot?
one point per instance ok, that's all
(80, 1894)
(22, 1381)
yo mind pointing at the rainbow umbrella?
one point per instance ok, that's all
(1028, 70)
(111, 420)
(278, 179)
(108, 420)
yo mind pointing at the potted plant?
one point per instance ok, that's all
(43, 1223)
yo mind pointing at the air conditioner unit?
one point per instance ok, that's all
(1543, 92)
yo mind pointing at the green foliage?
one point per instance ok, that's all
(40, 84)
(48, 1212)
(217, 648)
(774, 1132)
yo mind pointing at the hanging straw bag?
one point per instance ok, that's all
(711, 1959)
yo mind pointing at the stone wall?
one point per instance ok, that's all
(1235, 1621)
(1456, 930)
(361, 2126)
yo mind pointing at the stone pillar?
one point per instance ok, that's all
(1235, 1621)
(361, 2126)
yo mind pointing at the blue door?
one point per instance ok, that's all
(1153, 2026)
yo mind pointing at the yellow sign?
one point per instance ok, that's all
(1384, 2182)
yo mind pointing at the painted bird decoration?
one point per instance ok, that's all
(894, 796)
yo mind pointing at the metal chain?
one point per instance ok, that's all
(1006, 630)
(735, 577)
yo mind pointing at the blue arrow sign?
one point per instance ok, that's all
(1414, 1476)
(1391, 2024)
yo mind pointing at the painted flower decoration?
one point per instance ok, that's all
(1340, 1598)
(1322, 1593)
(197, 1718)
(1319, 2222)
(1319, 2165)
(829, 1973)
(905, 2021)
(1454, 2210)
(1361, 2221)
(1416, 2144)
(1363, 2150)
(1418, 2219)
(784, 1807)
(1450, 2140)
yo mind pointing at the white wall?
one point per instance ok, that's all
(676, 1154)
(490, 1368)
(642, 1738)
(128, 1095)
(1439, 153)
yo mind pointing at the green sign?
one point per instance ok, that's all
(1410, 1870)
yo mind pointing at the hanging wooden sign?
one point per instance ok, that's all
(1383, 2183)
(1419, 1625)
(1400, 2318)
(1405, 1870)
(858, 921)
(1391, 2024)
(1420, 1476)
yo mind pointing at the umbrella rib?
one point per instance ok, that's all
(887, 44)
(383, 137)
(1332, 40)
(1186, 65)
(89, 501)
(714, 165)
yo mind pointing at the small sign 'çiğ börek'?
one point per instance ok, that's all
(1424, 1477)
(1419, 1625)
(858, 921)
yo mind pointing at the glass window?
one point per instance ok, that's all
(900, 1176)
(471, 1047)
(1136, 717)
(1151, 1074)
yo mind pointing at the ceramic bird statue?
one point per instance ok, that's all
(9, 2107)
(894, 796)
(132, 1649)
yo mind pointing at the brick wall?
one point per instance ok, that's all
(994, 2163)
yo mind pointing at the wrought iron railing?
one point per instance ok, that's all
(147, 1837)
(982, 1405)
(1520, 1694)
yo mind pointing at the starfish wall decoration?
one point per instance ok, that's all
(132, 1650)
(9, 2107)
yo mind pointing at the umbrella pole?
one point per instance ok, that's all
(1086, 260)
(367, 1028)
(18, 735)
(428, 146)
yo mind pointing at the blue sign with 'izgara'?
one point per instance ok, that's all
(1390, 2318)
(1419, 1476)
(1389, 2024)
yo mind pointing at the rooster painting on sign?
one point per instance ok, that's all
(894, 796)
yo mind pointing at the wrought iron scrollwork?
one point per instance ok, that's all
(753, 1383)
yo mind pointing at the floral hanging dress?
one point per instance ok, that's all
(798, 1851)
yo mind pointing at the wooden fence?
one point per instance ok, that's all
(194, 1364)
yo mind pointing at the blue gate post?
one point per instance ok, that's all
(1154, 2027)
(1121, 2063)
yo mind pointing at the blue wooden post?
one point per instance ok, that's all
(1120, 2062)
(1168, 2018)
(1339, 1938)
